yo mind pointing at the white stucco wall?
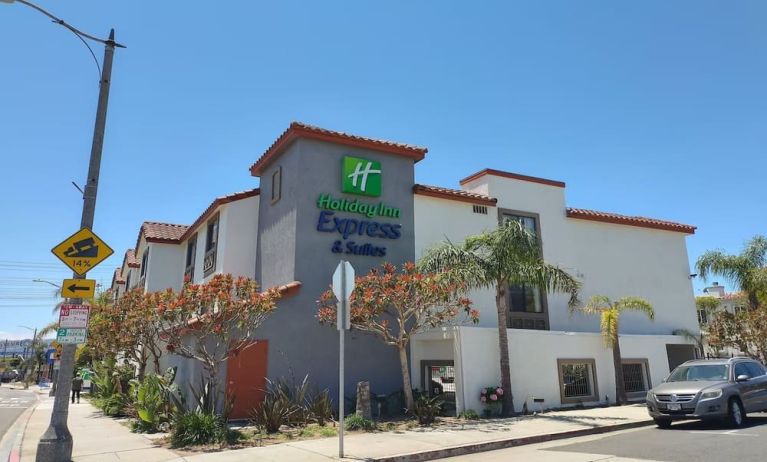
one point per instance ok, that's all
(166, 267)
(533, 357)
(238, 237)
(610, 259)
(440, 220)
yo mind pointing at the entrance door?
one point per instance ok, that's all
(246, 379)
(678, 353)
(438, 379)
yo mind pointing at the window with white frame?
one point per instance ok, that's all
(577, 380)
(144, 261)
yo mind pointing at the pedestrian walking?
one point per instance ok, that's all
(77, 385)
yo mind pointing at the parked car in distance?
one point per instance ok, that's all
(9, 375)
(724, 389)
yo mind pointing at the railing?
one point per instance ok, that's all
(209, 262)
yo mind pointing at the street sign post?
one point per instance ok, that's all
(82, 251)
(78, 288)
(343, 285)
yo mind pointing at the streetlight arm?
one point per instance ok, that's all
(60, 21)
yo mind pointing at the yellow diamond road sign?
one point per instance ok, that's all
(78, 288)
(82, 251)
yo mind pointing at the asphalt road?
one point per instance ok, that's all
(12, 404)
(683, 442)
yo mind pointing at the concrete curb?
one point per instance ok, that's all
(506, 443)
(19, 430)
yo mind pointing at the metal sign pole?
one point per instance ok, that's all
(341, 333)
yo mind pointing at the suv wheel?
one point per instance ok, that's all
(663, 423)
(736, 415)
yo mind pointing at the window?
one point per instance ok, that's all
(144, 261)
(127, 282)
(740, 369)
(577, 380)
(754, 369)
(211, 243)
(702, 317)
(276, 185)
(527, 304)
(739, 309)
(191, 253)
(636, 377)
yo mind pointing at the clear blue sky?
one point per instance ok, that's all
(652, 108)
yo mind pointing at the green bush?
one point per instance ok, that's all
(357, 422)
(196, 428)
(156, 399)
(427, 409)
(294, 404)
(469, 414)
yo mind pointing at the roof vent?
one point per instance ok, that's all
(482, 209)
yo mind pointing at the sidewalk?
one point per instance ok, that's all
(97, 438)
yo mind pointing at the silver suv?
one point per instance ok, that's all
(710, 389)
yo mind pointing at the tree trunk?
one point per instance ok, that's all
(407, 387)
(753, 300)
(620, 386)
(507, 401)
(141, 369)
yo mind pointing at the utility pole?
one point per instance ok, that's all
(56, 443)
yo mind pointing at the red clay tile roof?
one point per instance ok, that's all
(514, 176)
(117, 278)
(643, 222)
(301, 130)
(217, 202)
(162, 232)
(130, 259)
(735, 296)
(454, 194)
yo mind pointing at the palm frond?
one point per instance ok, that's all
(458, 262)
(756, 251)
(48, 329)
(636, 304)
(731, 267)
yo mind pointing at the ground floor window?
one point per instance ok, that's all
(636, 376)
(577, 380)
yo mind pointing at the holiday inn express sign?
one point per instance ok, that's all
(361, 177)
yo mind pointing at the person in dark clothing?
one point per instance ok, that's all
(77, 385)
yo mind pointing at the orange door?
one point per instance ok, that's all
(246, 379)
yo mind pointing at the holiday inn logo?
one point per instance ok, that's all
(360, 176)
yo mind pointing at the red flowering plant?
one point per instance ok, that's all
(130, 326)
(212, 321)
(394, 305)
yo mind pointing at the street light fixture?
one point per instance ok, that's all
(56, 443)
(38, 280)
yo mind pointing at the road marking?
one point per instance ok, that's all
(727, 433)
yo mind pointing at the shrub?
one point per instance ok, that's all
(272, 413)
(357, 422)
(156, 398)
(292, 404)
(469, 414)
(427, 409)
(195, 428)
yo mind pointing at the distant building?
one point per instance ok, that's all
(732, 302)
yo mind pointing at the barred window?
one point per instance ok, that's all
(577, 380)
(636, 378)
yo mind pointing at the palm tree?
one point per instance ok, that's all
(610, 313)
(508, 255)
(748, 270)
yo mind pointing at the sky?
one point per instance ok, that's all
(650, 108)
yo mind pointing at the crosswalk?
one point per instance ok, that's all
(14, 403)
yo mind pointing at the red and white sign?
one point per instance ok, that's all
(73, 316)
